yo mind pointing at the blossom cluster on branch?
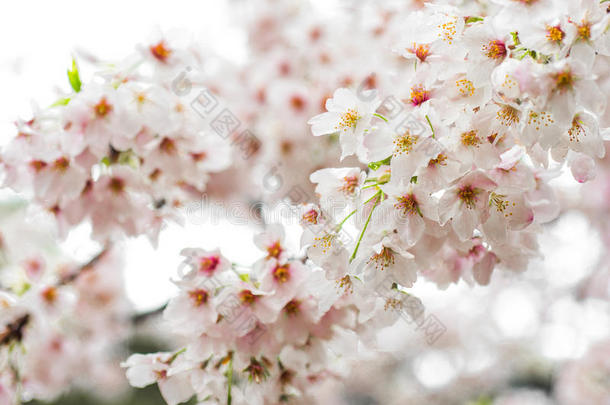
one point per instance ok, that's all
(460, 167)
(60, 321)
(120, 151)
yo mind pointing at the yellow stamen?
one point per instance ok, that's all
(470, 138)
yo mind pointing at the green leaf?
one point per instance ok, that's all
(106, 161)
(471, 20)
(61, 101)
(23, 288)
(129, 158)
(245, 277)
(414, 179)
(377, 165)
(74, 77)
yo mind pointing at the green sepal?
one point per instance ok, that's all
(377, 165)
(74, 77)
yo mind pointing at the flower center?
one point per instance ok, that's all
(345, 283)
(576, 130)
(392, 304)
(448, 30)
(383, 259)
(494, 49)
(297, 102)
(286, 378)
(408, 204)
(584, 30)
(293, 307)
(274, 250)
(102, 108)
(167, 145)
(154, 176)
(419, 95)
(281, 274)
(348, 119)
(208, 264)
(465, 87)
(350, 183)
(38, 165)
(325, 241)
(256, 371)
(247, 298)
(421, 51)
(470, 138)
(439, 160)
(311, 216)
(117, 185)
(200, 297)
(492, 138)
(141, 98)
(554, 33)
(508, 116)
(198, 156)
(501, 203)
(564, 80)
(404, 143)
(61, 164)
(538, 120)
(468, 195)
(49, 294)
(160, 51)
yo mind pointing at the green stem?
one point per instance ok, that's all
(178, 353)
(369, 186)
(345, 219)
(374, 195)
(381, 116)
(230, 382)
(366, 224)
(431, 127)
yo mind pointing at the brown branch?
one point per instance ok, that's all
(14, 330)
(68, 278)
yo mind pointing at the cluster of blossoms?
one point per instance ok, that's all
(120, 151)
(60, 321)
(297, 57)
(460, 159)
(278, 331)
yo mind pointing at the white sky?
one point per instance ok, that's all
(39, 38)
